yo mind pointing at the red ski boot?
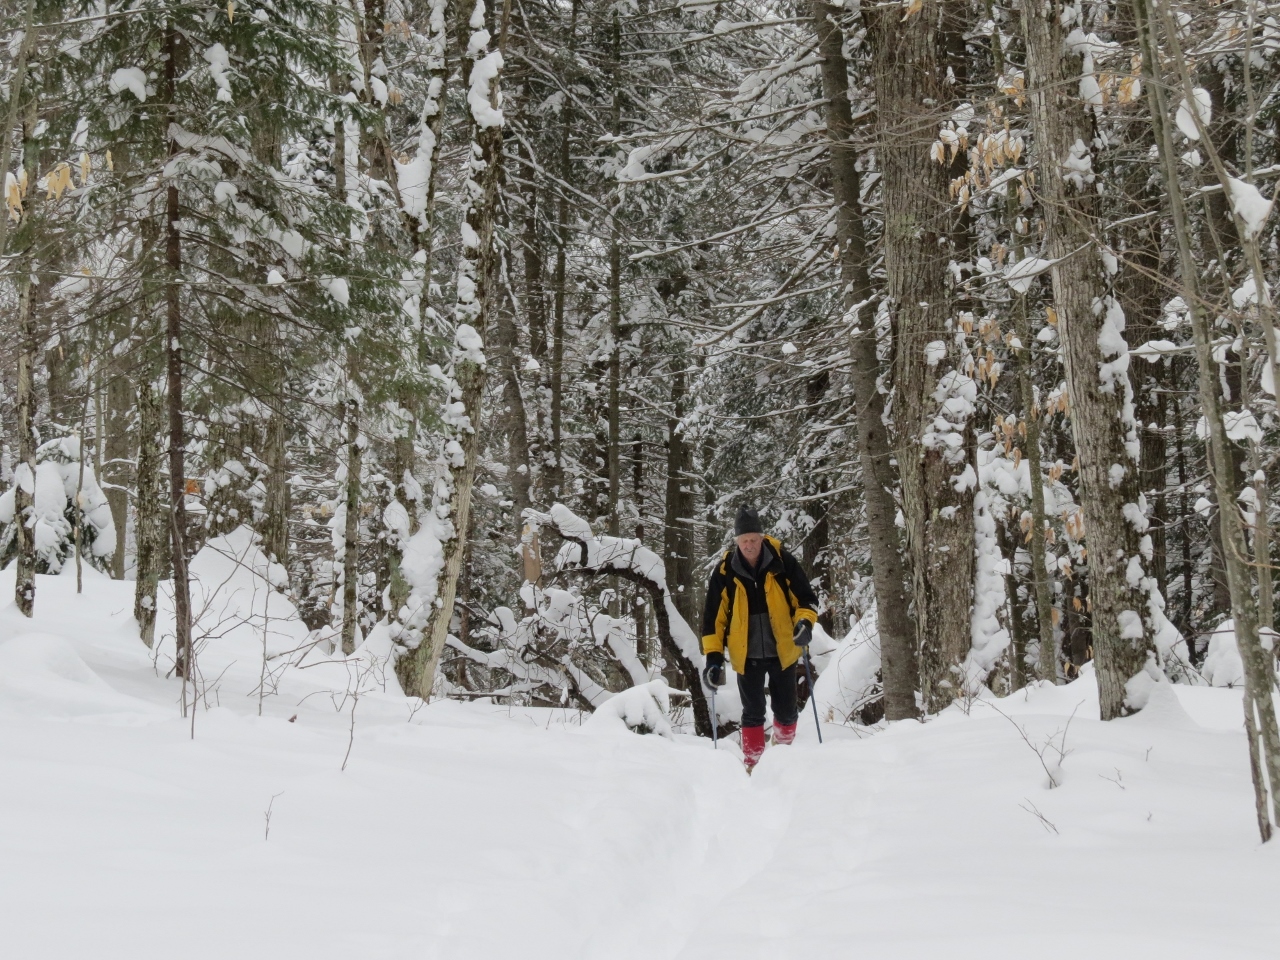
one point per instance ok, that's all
(784, 733)
(752, 746)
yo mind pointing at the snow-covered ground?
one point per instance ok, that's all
(477, 831)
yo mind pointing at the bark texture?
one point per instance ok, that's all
(351, 529)
(150, 520)
(177, 425)
(875, 455)
(933, 434)
(24, 592)
(476, 295)
(1097, 375)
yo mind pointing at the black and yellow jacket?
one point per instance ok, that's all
(787, 593)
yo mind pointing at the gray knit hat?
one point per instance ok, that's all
(748, 521)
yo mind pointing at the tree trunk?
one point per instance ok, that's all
(513, 418)
(1259, 671)
(639, 610)
(933, 439)
(817, 484)
(1095, 357)
(1008, 541)
(119, 452)
(150, 520)
(677, 545)
(351, 529)
(24, 594)
(614, 453)
(174, 373)
(1041, 584)
(29, 34)
(275, 524)
(555, 462)
(476, 295)
(897, 641)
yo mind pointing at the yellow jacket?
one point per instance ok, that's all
(787, 592)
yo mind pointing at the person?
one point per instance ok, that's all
(761, 608)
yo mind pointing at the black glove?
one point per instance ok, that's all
(713, 672)
(803, 634)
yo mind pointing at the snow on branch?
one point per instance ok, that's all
(629, 559)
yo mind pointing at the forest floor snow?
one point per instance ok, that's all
(471, 830)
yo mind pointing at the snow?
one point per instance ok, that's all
(482, 830)
(849, 678)
(634, 170)
(989, 636)
(1154, 350)
(58, 482)
(548, 840)
(1246, 293)
(1186, 120)
(219, 66)
(1240, 425)
(1022, 274)
(1223, 666)
(413, 179)
(338, 289)
(131, 79)
(1077, 169)
(1248, 203)
(643, 708)
(483, 74)
(468, 344)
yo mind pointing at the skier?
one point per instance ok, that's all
(760, 606)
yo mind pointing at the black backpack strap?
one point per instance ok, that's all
(733, 593)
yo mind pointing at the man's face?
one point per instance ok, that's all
(749, 545)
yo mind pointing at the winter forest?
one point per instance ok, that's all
(417, 356)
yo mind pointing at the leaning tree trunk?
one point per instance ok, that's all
(476, 293)
(933, 432)
(631, 561)
(1095, 356)
(897, 640)
(1259, 671)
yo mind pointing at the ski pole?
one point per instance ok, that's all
(715, 722)
(809, 675)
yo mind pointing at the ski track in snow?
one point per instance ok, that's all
(478, 831)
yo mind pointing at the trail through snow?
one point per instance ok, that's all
(477, 831)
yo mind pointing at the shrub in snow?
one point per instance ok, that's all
(642, 709)
(849, 680)
(1222, 665)
(53, 516)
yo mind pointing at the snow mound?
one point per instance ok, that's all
(1163, 708)
(849, 676)
(42, 674)
(1222, 664)
(641, 709)
(235, 585)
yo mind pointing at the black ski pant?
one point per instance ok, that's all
(782, 691)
